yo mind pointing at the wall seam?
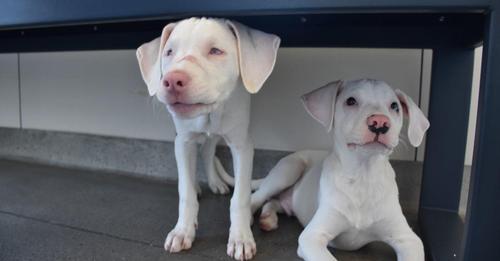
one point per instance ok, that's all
(19, 90)
(420, 91)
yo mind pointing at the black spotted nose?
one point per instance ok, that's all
(378, 124)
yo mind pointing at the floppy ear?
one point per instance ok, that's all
(256, 53)
(149, 58)
(320, 103)
(418, 123)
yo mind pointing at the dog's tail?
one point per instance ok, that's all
(230, 180)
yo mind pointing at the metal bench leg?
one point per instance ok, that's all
(451, 82)
(482, 228)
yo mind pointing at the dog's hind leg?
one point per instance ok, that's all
(285, 174)
(216, 184)
(269, 216)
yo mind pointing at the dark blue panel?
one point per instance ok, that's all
(483, 215)
(319, 30)
(446, 139)
(38, 12)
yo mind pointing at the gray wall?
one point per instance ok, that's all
(9, 91)
(100, 92)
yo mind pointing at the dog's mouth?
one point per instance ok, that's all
(375, 144)
(187, 109)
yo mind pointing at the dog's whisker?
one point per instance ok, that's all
(403, 140)
(157, 105)
(397, 149)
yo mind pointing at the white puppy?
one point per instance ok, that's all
(204, 71)
(347, 197)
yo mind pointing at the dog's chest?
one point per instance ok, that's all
(364, 199)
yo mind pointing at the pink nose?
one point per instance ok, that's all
(176, 81)
(378, 124)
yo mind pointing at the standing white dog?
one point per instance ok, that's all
(200, 69)
(347, 197)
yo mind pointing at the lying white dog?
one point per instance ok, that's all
(347, 197)
(200, 69)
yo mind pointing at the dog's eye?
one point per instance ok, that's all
(215, 51)
(169, 52)
(351, 101)
(395, 106)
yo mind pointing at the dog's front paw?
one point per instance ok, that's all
(241, 245)
(217, 186)
(180, 238)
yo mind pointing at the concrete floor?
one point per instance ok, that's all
(50, 213)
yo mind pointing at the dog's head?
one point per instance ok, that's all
(366, 115)
(196, 63)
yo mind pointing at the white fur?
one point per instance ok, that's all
(217, 99)
(347, 197)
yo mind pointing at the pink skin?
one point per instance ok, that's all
(370, 137)
(378, 121)
(189, 58)
(177, 83)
